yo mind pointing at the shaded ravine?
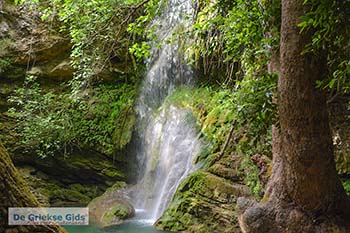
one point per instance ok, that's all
(168, 141)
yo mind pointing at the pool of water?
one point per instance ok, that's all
(141, 223)
(128, 227)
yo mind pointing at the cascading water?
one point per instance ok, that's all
(171, 145)
(168, 139)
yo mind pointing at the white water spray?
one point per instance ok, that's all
(169, 141)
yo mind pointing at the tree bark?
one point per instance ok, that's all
(304, 193)
(14, 192)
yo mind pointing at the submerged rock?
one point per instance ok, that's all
(112, 208)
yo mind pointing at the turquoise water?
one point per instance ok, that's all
(128, 227)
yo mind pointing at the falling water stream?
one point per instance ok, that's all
(167, 138)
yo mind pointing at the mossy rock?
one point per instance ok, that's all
(203, 203)
(111, 208)
(116, 187)
(51, 192)
(68, 195)
(118, 212)
(86, 167)
(228, 168)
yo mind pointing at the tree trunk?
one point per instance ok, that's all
(304, 193)
(14, 192)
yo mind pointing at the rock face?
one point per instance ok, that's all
(28, 45)
(205, 202)
(70, 181)
(112, 208)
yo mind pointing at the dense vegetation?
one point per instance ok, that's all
(52, 122)
(93, 109)
(232, 56)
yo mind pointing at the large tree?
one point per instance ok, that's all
(14, 192)
(304, 193)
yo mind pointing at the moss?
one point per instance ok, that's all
(5, 63)
(122, 135)
(47, 189)
(119, 211)
(111, 208)
(101, 166)
(202, 203)
(114, 173)
(117, 186)
(226, 172)
(342, 159)
(69, 195)
(346, 185)
(265, 198)
(214, 112)
(89, 191)
(52, 192)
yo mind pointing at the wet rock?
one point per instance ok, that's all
(72, 180)
(203, 203)
(63, 69)
(112, 208)
(85, 167)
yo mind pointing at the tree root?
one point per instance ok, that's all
(279, 217)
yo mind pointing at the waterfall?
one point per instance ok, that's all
(168, 138)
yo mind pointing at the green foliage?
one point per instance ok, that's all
(17, 2)
(328, 21)
(251, 176)
(346, 185)
(140, 51)
(51, 122)
(97, 30)
(5, 63)
(233, 44)
(143, 29)
(119, 211)
(237, 37)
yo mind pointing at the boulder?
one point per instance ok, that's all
(204, 202)
(112, 208)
